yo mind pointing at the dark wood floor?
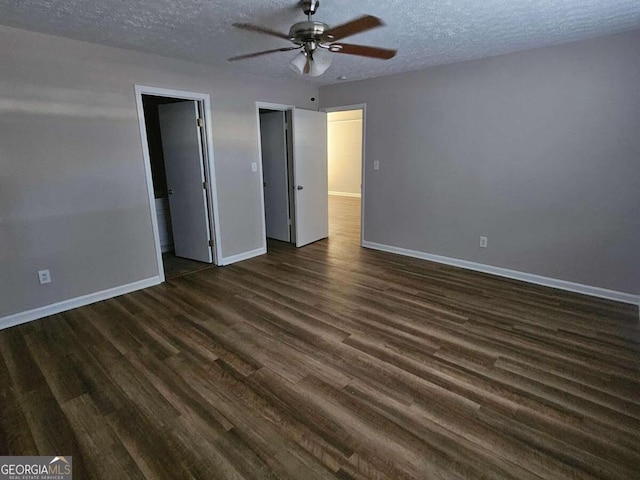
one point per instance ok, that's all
(330, 361)
(177, 266)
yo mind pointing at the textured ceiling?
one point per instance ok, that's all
(425, 33)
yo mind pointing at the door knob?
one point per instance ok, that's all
(170, 192)
(299, 187)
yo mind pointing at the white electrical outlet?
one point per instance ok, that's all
(254, 167)
(483, 242)
(376, 165)
(44, 276)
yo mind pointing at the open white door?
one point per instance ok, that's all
(184, 166)
(273, 141)
(310, 176)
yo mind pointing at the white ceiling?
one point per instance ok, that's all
(425, 33)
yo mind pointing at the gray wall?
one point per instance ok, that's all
(72, 185)
(538, 150)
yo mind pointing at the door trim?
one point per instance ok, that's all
(363, 107)
(210, 175)
(266, 106)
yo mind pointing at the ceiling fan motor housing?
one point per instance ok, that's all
(304, 32)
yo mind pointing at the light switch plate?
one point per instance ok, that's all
(376, 165)
(254, 167)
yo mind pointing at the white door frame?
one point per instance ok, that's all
(363, 107)
(266, 106)
(210, 172)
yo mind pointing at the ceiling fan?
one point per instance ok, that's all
(316, 41)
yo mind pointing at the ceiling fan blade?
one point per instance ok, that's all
(358, 25)
(364, 51)
(258, 29)
(258, 54)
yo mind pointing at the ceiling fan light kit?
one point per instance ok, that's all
(313, 66)
(315, 40)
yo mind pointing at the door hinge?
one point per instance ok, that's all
(204, 185)
(200, 122)
(211, 243)
(289, 220)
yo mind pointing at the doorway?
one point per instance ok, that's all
(293, 160)
(345, 147)
(277, 174)
(176, 142)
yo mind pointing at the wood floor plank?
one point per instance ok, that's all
(330, 361)
(15, 434)
(104, 453)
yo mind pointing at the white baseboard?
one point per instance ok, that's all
(513, 274)
(345, 194)
(243, 256)
(41, 312)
